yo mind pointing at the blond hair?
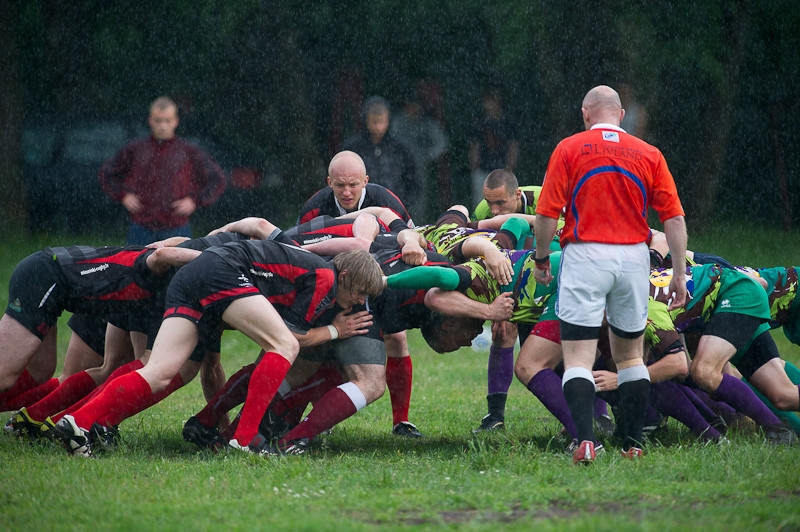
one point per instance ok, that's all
(363, 272)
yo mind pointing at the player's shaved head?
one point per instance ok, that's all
(347, 163)
(502, 178)
(347, 176)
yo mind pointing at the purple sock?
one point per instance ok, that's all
(718, 407)
(669, 399)
(546, 386)
(699, 404)
(501, 369)
(651, 416)
(741, 397)
(600, 407)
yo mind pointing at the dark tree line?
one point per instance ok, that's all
(719, 79)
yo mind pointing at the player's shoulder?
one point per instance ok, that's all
(379, 193)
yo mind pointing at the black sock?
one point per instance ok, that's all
(634, 397)
(497, 405)
(580, 398)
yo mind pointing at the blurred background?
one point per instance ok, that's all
(271, 89)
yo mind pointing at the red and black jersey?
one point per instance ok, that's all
(299, 284)
(205, 242)
(324, 228)
(323, 204)
(320, 229)
(96, 277)
(395, 309)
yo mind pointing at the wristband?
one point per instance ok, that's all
(542, 263)
(334, 332)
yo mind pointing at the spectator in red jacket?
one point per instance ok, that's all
(161, 179)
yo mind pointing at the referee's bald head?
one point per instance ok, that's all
(602, 105)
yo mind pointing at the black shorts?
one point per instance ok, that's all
(735, 328)
(761, 351)
(91, 329)
(36, 293)
(210, 340)
(203, 289)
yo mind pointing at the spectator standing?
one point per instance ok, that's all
(388, 160)
(607, 180)
(427, 141)
(493, 144)
(162, 179)
(635, 119)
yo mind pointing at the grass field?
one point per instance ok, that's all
(360, 477)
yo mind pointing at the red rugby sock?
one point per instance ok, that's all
(332, 408)
(232, 393)
(32, 395)
(73, 388)
(122, 370)
(23, 383)
(398, 379)
(124, 397)
(264, 382)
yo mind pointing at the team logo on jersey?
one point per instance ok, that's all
(611, 136)
(660, 278)
(725, 303)
(318, 239)
(96, 269)
(266, 275)
(15, 305)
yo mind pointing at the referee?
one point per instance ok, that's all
(606, 179)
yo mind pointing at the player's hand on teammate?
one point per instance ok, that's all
(502, 307)
(352, 324)
(677, 290)
(413, 254)
(605, 381)
(499, 266)
(543, 275)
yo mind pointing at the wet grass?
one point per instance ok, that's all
(361, 477)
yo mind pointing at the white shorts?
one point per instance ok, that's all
(603, 278)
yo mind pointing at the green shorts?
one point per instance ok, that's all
(740, 293)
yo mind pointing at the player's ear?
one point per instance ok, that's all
(366, 179)
(328, 179)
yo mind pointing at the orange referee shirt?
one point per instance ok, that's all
(607, 179)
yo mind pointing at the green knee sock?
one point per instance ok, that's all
(790, 418)
(792, 372)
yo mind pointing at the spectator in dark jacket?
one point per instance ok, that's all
(388, 160)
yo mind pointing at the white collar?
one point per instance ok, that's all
(524, 203)
(342, 211)
(608, 126)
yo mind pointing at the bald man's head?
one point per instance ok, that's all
(602, 105)
(347, 162)
(347, 176)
